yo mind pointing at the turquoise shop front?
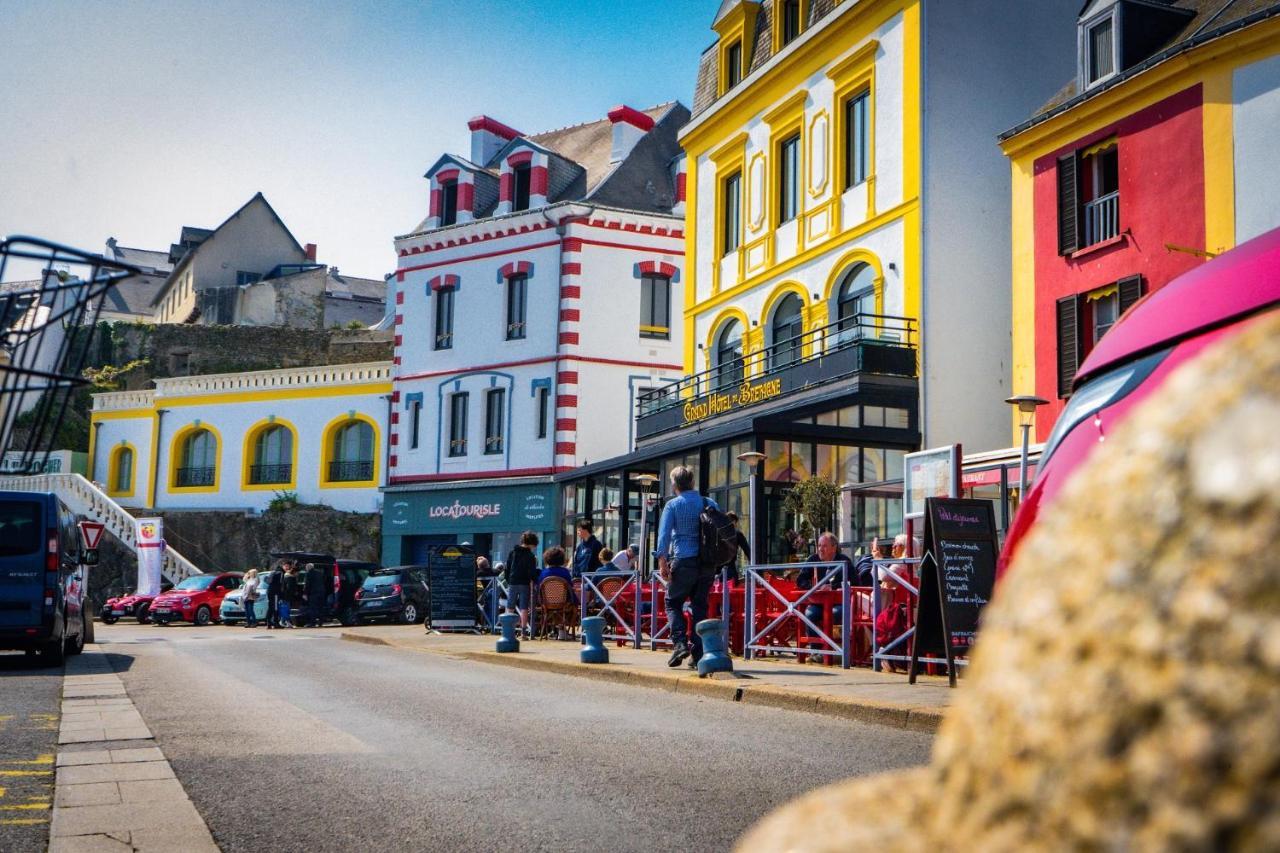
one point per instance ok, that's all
(488, 518)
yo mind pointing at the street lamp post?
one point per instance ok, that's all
(1026, 405)
(753, 458)
(646, 482)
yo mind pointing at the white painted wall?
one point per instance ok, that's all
(1255, 92)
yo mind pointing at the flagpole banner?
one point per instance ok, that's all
(150, 538)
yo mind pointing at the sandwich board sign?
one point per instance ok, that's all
(957, 577)
(451, 583)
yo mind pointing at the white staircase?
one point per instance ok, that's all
(86, 499)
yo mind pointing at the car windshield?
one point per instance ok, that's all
(198, 582)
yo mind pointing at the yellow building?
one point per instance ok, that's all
(847, 247)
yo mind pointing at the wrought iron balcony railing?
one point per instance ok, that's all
(350, 472)
(865, 343)
(1102, 218)
(187, 477)
(263, 475)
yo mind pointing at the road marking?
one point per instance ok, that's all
(40, 760)
(22, 821)
(26, 772)
(31, 807)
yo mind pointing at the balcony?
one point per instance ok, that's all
(866, 344)
(270, 475)
(350, 472)
(1102, 218)
(185, 478)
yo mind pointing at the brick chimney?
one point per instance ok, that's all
(487, 138)
(629, 127)
(310, 251)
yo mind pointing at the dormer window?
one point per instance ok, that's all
(1099, 44)
(522, 177)
(448, 203)
(733, 58)
(790, 21)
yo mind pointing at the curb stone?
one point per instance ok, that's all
(878, 712)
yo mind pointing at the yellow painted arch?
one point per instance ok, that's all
(717, 326)
(846, 263)
(776, 296)
(246, 458)
(175, 455)
(113, 470)
(326, 452)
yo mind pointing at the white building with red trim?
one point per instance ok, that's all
(536, 301)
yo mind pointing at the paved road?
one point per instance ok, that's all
(297, 740)
(28, 740)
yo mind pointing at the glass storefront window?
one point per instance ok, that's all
(893, 464)
(897, 418)
(848, 416)
(777, 460)
(873, 416)
(831, 418)
(848, 465)
(827, 463)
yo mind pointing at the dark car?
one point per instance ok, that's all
(43, 577)
(342, 581)
(397, 595)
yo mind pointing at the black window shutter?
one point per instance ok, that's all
(1068, 204)
(1068, 343)
(1130, 291)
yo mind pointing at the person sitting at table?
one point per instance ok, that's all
(627, 559)
(828, 552)
(606, 560)
(553, 565)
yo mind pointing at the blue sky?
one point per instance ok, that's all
(131, 119)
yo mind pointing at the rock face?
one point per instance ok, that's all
(1125, 692)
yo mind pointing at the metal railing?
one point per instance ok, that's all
(202, 476)
(85, 498)
(826, 576)
(264, 475)
(1102, 218)
(350, 472)
(617, 626)
(865, 330)
(902, 571)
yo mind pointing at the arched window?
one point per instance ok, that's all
(728, 356)
(272, 456)
(855, 303)
(120, 477)
(197, 459)
(351, 453)
(786, 329)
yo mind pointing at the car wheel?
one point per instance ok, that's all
(88, 631)
(409, 615)
(74, 645)
(110, 620)
(203, 615)
(348, 618)
(144, 614)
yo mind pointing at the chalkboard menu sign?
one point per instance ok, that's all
(451, 578)
(957, 576)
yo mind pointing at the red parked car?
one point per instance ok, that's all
(196, 599)
(133, 604)
(1164, 330)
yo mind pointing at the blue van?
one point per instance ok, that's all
(43, 577)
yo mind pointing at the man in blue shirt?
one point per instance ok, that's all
(586, 556)
(678, 564)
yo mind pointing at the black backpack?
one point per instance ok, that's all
(717, 538)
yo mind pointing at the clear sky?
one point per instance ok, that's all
(131, 119)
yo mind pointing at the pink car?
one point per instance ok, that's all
(1161, 332)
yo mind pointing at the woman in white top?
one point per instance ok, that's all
(252, 590)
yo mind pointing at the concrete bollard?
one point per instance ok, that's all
(508, 642)
(715, 657)
(593, 650)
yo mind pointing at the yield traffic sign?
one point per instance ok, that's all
(91, 534)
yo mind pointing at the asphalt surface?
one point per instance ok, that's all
(296, 740)
(29, 707)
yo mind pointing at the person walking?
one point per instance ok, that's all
(522, 573)
(586, 555)
(678, 564)
(250, 598)
(289, 596)
(275, 585)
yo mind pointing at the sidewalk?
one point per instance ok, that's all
(854, 694)
(115, 790)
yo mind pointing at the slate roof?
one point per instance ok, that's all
(133, 295)
(579, 167)
(1210, 19)
(145, 259)
(357, 288)
(761, 41)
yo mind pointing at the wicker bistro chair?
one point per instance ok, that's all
(556, 607)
